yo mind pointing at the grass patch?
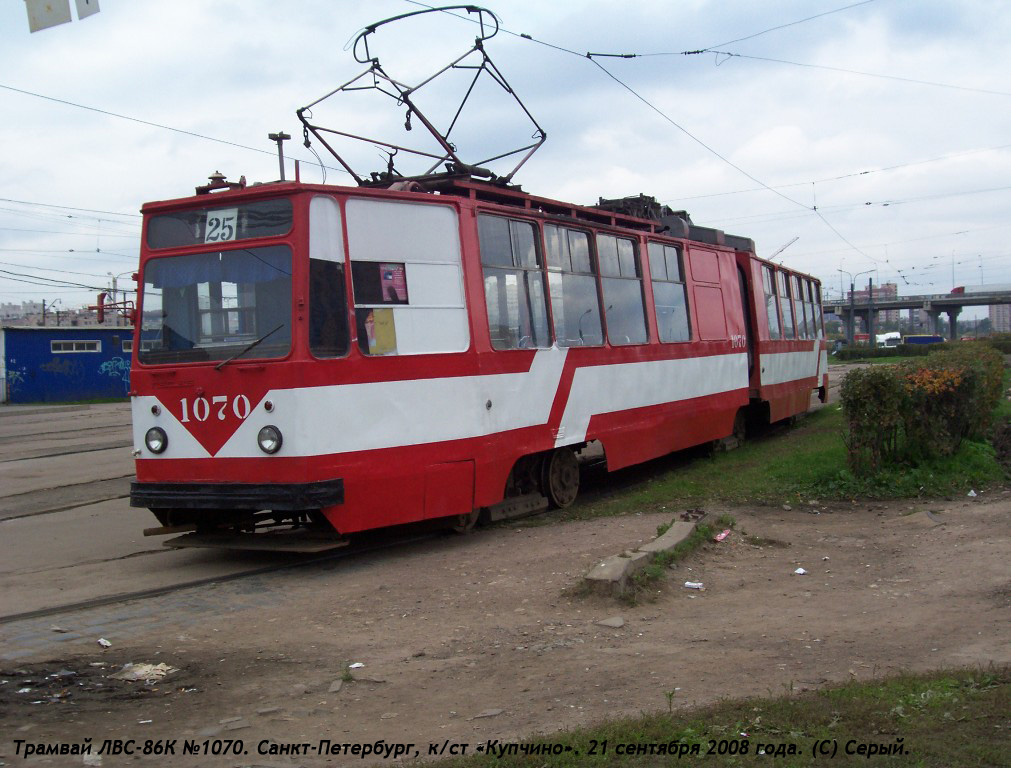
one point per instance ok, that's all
(1002, 413)
(796, 465)
(953, 717)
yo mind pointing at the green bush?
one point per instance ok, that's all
(979, 370)
(1001, 342)
(902, 350)
(873, 402)
(920, 410)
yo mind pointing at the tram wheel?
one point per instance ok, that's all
(466, 523)
(561, 477)
(741, 425)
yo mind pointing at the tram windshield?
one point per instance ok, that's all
(212, 306)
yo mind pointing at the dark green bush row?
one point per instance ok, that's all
(1001, 342)
(920, 409)
(903, 350)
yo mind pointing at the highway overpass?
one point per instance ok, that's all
(934, 305)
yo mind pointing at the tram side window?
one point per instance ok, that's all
(575, 303)
(816, 312)
(800, 297)
(513, 283)
(328, 323)
(812, 319)
(812, 309)
(804, 292)
(819, 312)
(786, 303)
(328, 314)
(406, 277)
(771, 302)
(669, 295)
(621, 280)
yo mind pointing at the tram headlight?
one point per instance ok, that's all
(156, 440)
(269, 439)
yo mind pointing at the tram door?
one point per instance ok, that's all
(746, 309)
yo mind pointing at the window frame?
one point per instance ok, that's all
(203, 347)
(623, 263)
(425, 237)
(556, 274)
(666, 280)
(771, 308)
(526, 264)
(329, 316)
(188, 228)
(783, 279)
(91, 346)
(799, 306)
(819, 331)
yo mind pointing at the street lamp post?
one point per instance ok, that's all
(871, 314)
(851, 326)
(115, 291)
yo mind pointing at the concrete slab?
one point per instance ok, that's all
(678, 532)
(611, 576)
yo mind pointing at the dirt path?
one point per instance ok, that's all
(488, 636)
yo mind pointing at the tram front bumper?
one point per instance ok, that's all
(238, 496)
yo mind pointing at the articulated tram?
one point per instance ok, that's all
(312, 361)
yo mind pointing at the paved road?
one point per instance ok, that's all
(67, 531)
(58, 457)
(836, 373)
(69, 536)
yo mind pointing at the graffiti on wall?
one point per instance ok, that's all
(62, 367)
(117, 368)
(16, 378)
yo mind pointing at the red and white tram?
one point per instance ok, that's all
(339, 359)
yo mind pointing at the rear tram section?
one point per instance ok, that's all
(325, 360)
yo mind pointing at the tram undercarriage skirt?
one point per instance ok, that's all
(252, 496)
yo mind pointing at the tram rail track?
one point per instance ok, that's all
(47, 501)
(153, 592)
(49, 453)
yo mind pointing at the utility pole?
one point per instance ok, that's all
(851, 326)
(852, 323)
(871, 339)
(112, 293)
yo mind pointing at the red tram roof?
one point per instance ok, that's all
(657, 219)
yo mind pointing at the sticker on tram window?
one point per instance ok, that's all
(220, 226)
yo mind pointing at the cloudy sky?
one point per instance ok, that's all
(871, 136)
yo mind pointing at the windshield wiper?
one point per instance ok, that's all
(248, 347)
